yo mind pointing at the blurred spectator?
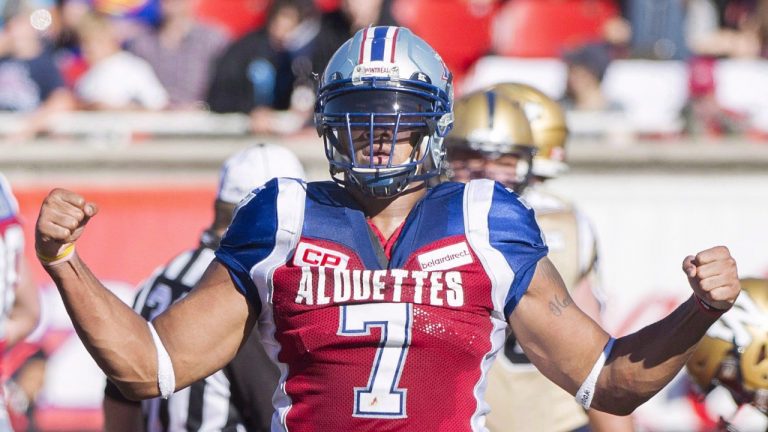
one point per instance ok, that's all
(658, 28)
(752, 22)
(63, 36)
(545, 28)
(341, 24)
(268, 72)
(66, 15)
(732, 29)
(116, 79)
(617, 34)
(129, 18)
(29, 80)
(701, 27)
(182, 52)
(137, 12)
(586, 69)
(703, 114)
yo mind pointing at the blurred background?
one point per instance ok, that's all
(135, 103)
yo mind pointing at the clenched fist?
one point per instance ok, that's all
(62, 220)
(713, 276)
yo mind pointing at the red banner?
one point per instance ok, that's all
(136, 229)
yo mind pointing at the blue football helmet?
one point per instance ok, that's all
(384, 82)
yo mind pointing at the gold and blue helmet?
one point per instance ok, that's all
(734, 352)
(548, 125)
(488, 128)
(384, 79)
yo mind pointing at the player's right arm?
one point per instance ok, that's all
(200, 333)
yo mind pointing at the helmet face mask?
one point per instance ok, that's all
(734, 352)
(368, 109)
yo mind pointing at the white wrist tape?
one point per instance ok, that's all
(166, 379)
(587, 390)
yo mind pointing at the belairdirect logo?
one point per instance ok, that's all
(445, 258)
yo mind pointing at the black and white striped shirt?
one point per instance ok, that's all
(236, 398)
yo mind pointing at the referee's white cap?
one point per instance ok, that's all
(252, 167)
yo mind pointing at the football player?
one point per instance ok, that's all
(19, 302)
(732, 357)
(493, 138)
(383, 296)
(240, 395)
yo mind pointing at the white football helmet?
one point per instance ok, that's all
(384, 78)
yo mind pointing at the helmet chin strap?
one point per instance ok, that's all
(387, 192)
(379, 186)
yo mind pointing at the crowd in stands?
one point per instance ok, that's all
(259, 57)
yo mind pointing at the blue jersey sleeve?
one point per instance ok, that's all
(250, 238)
(514, 232)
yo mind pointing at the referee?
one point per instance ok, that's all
(238, 397)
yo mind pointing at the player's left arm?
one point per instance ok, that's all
(564, 343)
(25, 311)
(590, 298)
(587, 300)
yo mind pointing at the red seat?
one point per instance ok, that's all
(327, 5)
(545, 28)
(460, 34)
(237, 16)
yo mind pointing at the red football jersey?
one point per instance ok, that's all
(371, 341)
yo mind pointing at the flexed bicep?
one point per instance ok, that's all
(558, 338)
(214, 318)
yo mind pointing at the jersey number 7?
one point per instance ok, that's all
(381, 398)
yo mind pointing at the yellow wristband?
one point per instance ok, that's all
(61, 257)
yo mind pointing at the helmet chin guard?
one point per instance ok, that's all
(381, 88)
